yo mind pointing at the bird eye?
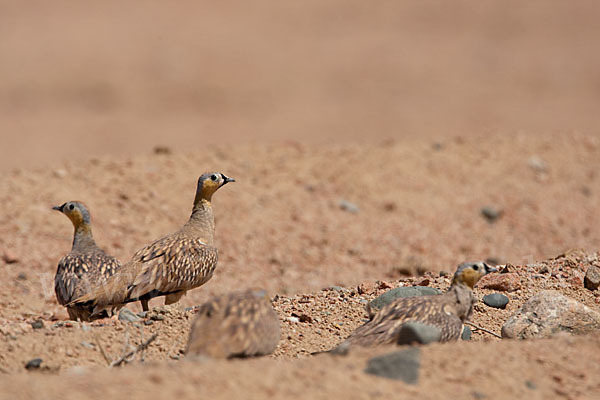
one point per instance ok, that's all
(476, 267)
(71, 206)
(213, 177)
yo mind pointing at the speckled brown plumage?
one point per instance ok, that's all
(84, 267)
(447, 311)
(171, 265)
(236, 325)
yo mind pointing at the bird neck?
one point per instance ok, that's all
(463, 296)
(202, 222)
(82, 238)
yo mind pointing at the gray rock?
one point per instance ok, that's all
(491, 213)
(495, 300)
(592, 278)
(33, 364)
(409, 291)
(416, 332)
(142, 314)
(37, 324)
(549, 312)
(530, 385)
(126, 315)
(466, 333)
(350, 207)
(400, 365)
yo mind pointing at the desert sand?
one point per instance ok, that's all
(365, 140)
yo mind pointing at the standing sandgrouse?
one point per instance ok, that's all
(84, 267)
(447, 311)
(235, 325)
(171, 265)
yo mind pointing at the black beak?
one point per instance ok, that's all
(226, 180)
(59, 208)
(488, 269)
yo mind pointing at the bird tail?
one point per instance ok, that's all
(112, 292)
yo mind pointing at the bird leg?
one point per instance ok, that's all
(482, 329)
(144, 304)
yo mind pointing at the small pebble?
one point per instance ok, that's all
(37, 324)
(531, 385)
(466, 333)
(495, 300)
(350, 207)
(33, 364)
(10, 257)
(491, 213)
(126, 315)
(293, 319)
(148, 322)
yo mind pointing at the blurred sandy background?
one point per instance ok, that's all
(89, 78)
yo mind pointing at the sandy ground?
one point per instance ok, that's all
(419, 115)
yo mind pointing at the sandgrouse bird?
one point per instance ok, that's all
(84, 267)
(236, 325)
(447, 311)
(171, 265)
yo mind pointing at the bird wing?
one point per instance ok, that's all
(172, 264)
(429, 310)
(77, 274)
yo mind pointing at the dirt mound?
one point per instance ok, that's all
(313, 322)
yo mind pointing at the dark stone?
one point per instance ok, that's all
(416, 332)
(530, 385)
(33, 364)
(495, 300)
(148, 322)
(409, 291)
(466, 333)
(491, 213)
(400, 365)
(37, 324)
